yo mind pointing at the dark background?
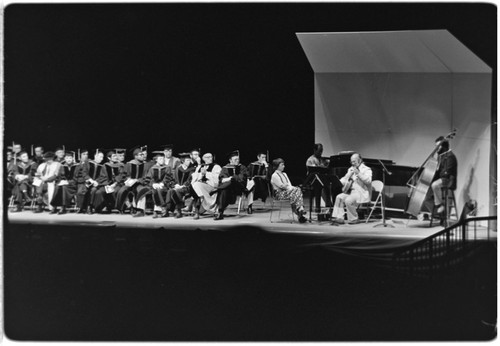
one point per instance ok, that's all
(216, 76)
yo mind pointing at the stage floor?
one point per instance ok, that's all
(360, 238)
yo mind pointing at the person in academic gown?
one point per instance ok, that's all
(258, 182)
(182, 188)
(66, 186)
(170, 160)
(205, 180)
(105, 196)
(22, 173)
(134, 175)
(159, 180)
(232, 183)
(94, 177)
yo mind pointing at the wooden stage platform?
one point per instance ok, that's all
(359, 238)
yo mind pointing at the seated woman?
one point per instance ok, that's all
(283, 189)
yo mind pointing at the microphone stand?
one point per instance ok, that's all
(382, 201)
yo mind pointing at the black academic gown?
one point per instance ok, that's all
(133, 170)
(28, 169)
(258, 172)
(158, 175)
(65, 193)
(86, 192)
(229, 191)
(114, 175)
(182, 177)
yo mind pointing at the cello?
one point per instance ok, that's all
(419, 191)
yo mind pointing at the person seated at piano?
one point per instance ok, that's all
(22, 173)
(65, 188)
(134, 183)
(159, 180)
(258, 183)
(90, 176)
(182, 188)
(232, 183)
(44, 180)
(357, 189)
(283, 189)
(446, 174)
(105, 196)
(322, 186)
(205, 179)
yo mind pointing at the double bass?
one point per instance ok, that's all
(419, 191)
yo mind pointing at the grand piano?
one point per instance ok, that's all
(396, 189)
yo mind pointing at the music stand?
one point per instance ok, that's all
(312, 178)
(382, 200)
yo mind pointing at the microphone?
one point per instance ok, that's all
(384, 168)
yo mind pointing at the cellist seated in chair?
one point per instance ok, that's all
(357, 189)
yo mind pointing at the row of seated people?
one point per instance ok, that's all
(100, 188)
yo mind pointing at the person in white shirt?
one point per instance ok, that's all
(45, 177)
(204, 183)
(357, 189)
(283, 189)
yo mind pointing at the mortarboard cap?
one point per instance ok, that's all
(48, 155)
(158, 153)
(138, 148)
(110, 152)
(120, 150)
(167, 147)
(84, 150)
(59, 148)
(69, 153)
(184, 155)
(196, 149)
(233, 153)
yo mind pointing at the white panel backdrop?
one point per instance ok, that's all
(398, 116)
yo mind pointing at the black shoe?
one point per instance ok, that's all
(39, 209)
(196, 216)
(250, 209)
(53, 211)
(219, 217)
(81, 211)
(62, 211)
(166, 213)
(302, 219)
(178, 214)
(18, 209)
(139, 213)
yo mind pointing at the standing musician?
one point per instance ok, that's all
(205, 179)
(45, 177)
(357, 189)
(66, 185)
(232, 183)
(258, 183)
(22, 172)
(182, 185)
(134, 183)
(326, 186)
(446, 175)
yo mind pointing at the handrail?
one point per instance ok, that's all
(446, 230)
(440, 250)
